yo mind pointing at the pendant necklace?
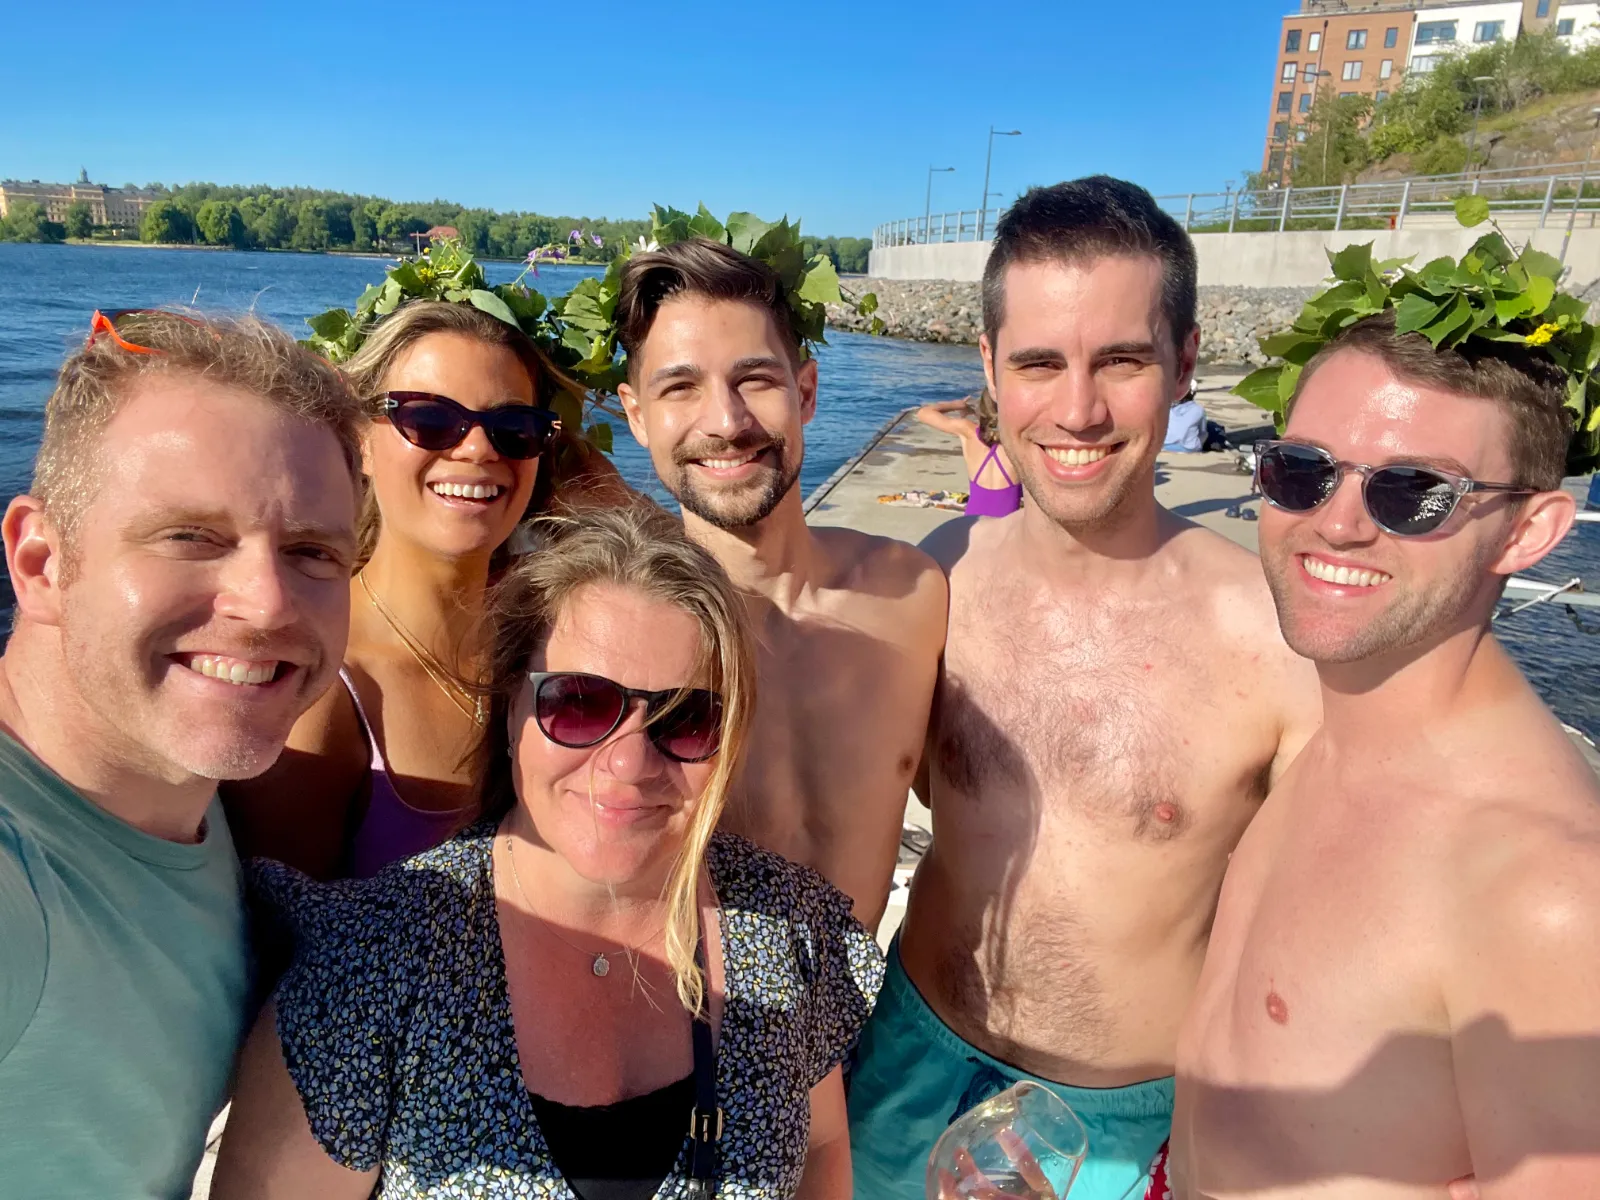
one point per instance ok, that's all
(601, 966)
(442, 676)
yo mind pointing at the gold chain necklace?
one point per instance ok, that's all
(601, 966)
(442, 676)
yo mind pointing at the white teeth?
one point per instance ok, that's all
(233, 670)
(723, 464)
(467, 491)
(1342, 576)
(1076, 457)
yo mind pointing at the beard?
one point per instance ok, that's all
(735, 505)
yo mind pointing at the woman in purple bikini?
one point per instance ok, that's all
(992, 491)
(458, 453)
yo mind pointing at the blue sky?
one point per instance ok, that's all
(828, 111)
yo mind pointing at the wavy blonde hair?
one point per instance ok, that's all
(640, 547)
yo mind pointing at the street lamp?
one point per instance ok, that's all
(1319, 75)
(1477, 111)
(927, 203)
(983, 209)
(1582, 180)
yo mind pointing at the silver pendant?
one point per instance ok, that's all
(602, 965)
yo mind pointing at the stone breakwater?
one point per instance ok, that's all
(936, 310)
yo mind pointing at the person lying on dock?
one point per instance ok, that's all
(1115, 699)
(849, 626)
(181, 565)
(1403, 984)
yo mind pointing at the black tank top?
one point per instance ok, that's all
(618, 1151)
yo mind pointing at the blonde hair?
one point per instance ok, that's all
(368, 370)
(641, 547)
(241, 352)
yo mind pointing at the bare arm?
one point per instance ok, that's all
(943, 417)
(268, 1150)
(827, 1174)
(1524, 998)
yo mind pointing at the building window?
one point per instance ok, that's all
(1352, 70)
(1285, 101)
(1386, 68)
(1314, 43)
(1305, 102)
(1291, 42)
(1564, 27)
(1280, 131)
(1543, 10)
(1424, 63)
(1347, 95)
(1356, 39)
(1299, 136)
(1435, 31)
(1275, 162)
(1379, 96)
(1488, 31)
(1288, 72)
(1390, 36)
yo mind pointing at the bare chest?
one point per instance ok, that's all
(427, 739)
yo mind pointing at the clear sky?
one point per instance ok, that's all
(828, 111)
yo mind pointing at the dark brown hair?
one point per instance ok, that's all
(697, 267)
(1085, 219)
(1529, 388)
(242, 352)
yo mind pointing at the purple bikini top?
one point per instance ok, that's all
(391, 829)
(993, 502)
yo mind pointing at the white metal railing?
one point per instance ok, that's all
(1537, 195)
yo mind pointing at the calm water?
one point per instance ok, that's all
(48, 292)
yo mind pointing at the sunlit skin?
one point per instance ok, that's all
(431, 568)
(1400, 995)
(849, 626)
(221, 534)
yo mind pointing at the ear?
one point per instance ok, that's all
(806, 377)
(1188, 356)
(630, 406)
(1541, 524)
(34, 558)
(986, 352)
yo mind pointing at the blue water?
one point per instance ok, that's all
(48, 292)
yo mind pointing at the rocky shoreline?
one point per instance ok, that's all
(937, 310)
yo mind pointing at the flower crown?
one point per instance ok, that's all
(1491, 295)
(578, 331)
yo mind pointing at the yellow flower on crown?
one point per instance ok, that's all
(1542, 335)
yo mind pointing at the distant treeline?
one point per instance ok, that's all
(266, 218)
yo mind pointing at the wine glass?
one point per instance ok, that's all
(1024, 1143)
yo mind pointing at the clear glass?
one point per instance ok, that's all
(1023, 1143)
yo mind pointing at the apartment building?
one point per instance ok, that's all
(107, 205)
(1365, 47)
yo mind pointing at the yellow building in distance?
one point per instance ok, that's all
(107, 205)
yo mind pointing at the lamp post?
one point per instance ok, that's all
(927, 203)
(1572, 216)
(983, 208)
(1477, 111)
(1319, 75)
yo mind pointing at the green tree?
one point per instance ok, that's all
(221, 223)
(27, 222)
(854, 255)
(1335, 148)
(80, 219)
(311, 226)
(341, 222)
(364, 226)
(166, 222)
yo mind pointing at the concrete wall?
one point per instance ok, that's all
(1265, 259)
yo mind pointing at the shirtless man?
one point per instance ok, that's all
(1114, 702)
(849, 626)
(1403, 985)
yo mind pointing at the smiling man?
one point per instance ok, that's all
(1114, 700)
(849, 626)
(1403, 985)
(181, 566)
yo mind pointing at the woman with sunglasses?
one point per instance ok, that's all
(462, 445)
(590, 993)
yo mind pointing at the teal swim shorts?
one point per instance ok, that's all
(913, 1076)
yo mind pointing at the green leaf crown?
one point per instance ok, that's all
(1493, 294)
(578, 331)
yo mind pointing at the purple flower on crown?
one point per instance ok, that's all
(575, 236)
(598, 240)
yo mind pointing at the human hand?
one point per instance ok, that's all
(969, 1183)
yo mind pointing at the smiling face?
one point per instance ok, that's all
(208, 598)
(1345, 590)
(619, 811)
(1084, 372)
(466, 500)
(717, 399)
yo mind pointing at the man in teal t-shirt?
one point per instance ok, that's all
(181, 566)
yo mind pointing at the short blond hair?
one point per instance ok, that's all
(641, 547)
(242, 352)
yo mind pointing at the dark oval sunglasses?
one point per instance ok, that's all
(577, 710)
(1402, 500)
(435, 423)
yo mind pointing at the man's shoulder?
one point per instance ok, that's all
(885, 567)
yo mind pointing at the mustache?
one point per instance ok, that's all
(254, 645)
(717, 447)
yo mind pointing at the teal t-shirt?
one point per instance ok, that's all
(124, 984)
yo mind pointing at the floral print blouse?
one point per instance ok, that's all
(396, 1025)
